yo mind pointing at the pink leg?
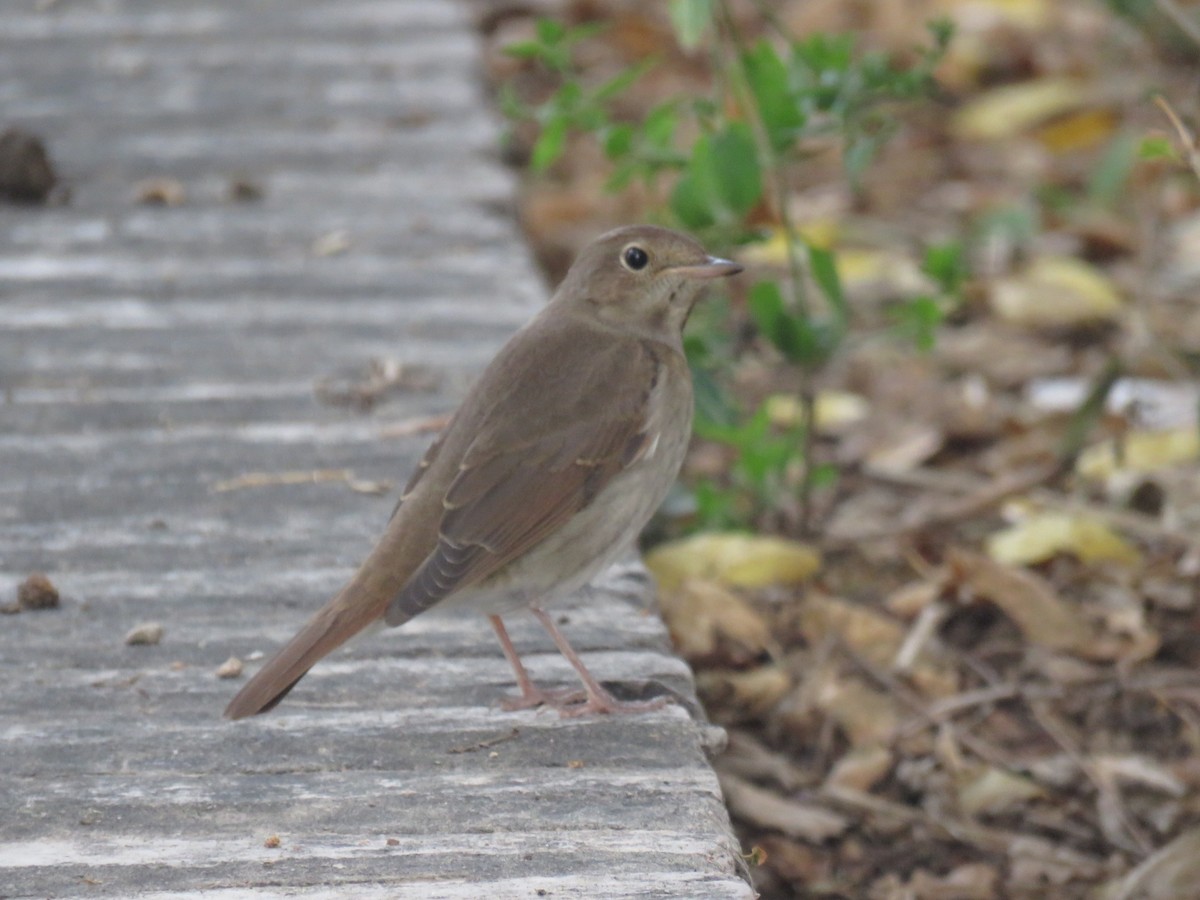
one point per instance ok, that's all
(598, 699)
(531, 694)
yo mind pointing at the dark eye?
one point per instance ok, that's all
(635, 258)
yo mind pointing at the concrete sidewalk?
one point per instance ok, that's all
(153, 357)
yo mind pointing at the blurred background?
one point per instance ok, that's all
(934, 555)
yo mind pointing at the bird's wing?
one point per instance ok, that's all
(519, 481)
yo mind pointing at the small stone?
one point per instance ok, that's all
(334, 243)
(37, 592)
(159, 192)
(243, 190)
(26, 173)
(231, 668)
(271, 842)
(146, 633)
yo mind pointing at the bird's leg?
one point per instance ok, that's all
(531, 694)
(598, 699)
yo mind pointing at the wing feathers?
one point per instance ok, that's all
(510, 495)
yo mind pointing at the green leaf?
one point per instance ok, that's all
(1158, 147)
(691, 19)
(623, 80)
(524, 49)
(823, 266)
(734, 159)
(1112, 172)
(786, 331)
(659, 126)
(550, 144)
(823, 475)
(692, 203)
(919, 319)
(947, 265)
(618, 141)
(768, 77)
(550, 31)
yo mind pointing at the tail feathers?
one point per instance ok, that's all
(331, 627)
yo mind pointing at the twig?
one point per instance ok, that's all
(1182, 20)
(1185, 135)
(918, 636)
(976, 745)
(314, 476)
(980, 500)
(486, 744)
(989, 840)
(1104, 786)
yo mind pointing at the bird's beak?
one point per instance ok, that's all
(710, 268)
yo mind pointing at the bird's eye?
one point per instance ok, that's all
(635, 258)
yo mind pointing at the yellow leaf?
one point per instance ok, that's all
(1010, 110)
(1140, 451)
(821, 233)
(978, 15)
(832, 409)
(857, 267)
(711, 624)
(744, 694)
(1046, 535)
(736, 560)
(1056, 291)
(1078, 131)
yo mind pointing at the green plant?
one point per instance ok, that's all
(774, 99)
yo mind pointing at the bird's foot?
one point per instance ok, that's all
(603, 702)
(532, 697)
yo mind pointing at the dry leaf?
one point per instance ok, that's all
(741, 695)
(821, 233)
(737, 560)
(859, 268)
(1170, 874)
(869, 633)
(710, 624)
(1027, 599)
(982, 16)
(875, 637)
(1043, 536)
(1148, 404)
(970, 881)
(1056, 291)
(1140, 451)
(1011, 109)
(767, 809)
(866, 716)
(861, 768)
(987, 789)
(1078, 131)
(833, 410)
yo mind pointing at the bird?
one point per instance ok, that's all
(553, 463)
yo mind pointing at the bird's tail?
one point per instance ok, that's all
(332, 626)
(359, 604)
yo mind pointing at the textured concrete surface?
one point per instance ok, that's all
(150, 356)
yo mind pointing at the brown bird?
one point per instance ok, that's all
(554, 462)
